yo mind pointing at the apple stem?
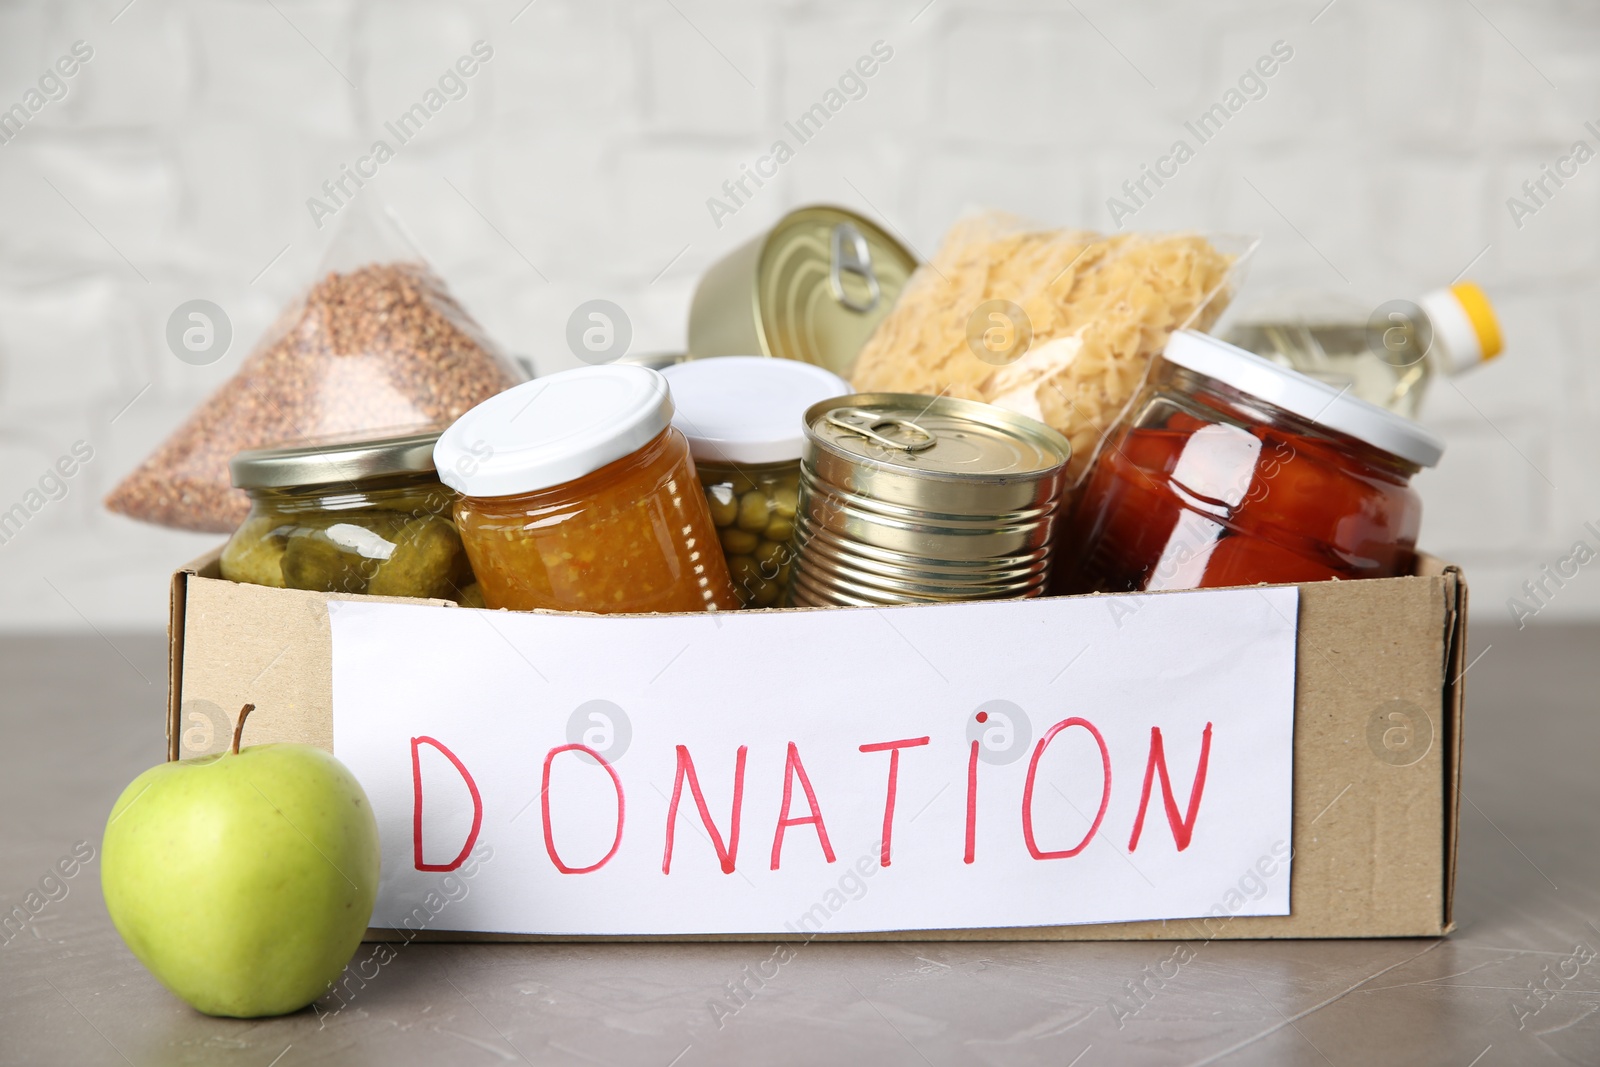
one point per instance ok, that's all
(238, 728)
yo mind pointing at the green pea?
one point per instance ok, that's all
(745, 571)
(724, 506)
(754, 511)
(785, 501)
(736, 542)
(771, 555)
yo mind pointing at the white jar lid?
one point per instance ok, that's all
(748, 409)
(1298, 394)
(553, 430)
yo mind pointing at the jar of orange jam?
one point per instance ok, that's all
(1232, 470)
(578, 495)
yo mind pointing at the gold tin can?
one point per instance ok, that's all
(812, 288)
(907, 498)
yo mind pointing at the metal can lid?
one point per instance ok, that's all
(825, 279)
(936, 436)
(338, 460)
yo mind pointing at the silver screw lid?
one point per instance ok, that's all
(335, 460)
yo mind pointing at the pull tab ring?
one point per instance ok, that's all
(871, 420)
(851, 254)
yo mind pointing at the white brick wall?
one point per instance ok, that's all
(184, 151)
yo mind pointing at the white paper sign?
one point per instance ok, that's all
(1021, 763)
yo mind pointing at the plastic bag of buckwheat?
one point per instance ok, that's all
(376, 344)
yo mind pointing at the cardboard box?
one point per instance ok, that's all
(1377, 742)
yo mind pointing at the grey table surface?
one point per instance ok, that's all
(1517, 982)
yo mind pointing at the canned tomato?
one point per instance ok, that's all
(1233, 470)
(812, 288)
(907, 498)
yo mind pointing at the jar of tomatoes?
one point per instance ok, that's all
(1232, 470)
(578, 495)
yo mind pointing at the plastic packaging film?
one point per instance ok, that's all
(1098, 309)
(377, 344)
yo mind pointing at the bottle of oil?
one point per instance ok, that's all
(1385, 356)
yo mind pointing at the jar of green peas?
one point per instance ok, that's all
(743, 416)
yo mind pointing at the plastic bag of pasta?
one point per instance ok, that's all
(1060, 325)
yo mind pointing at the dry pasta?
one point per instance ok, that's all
(1101, 307)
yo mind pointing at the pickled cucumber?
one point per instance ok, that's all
(423, 561)
(395, 539)
(254, 554)
(313, 559)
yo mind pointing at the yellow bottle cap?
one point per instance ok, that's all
(1481, 314)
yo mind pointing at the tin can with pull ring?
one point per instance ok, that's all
(812, 288)
(907, 498)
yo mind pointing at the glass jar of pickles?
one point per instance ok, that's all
(744, 419)
(578, 495)
(349, 516)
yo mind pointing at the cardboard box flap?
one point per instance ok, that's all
(233, 644)
(1454, 712)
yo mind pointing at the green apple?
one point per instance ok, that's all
(243, 881)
